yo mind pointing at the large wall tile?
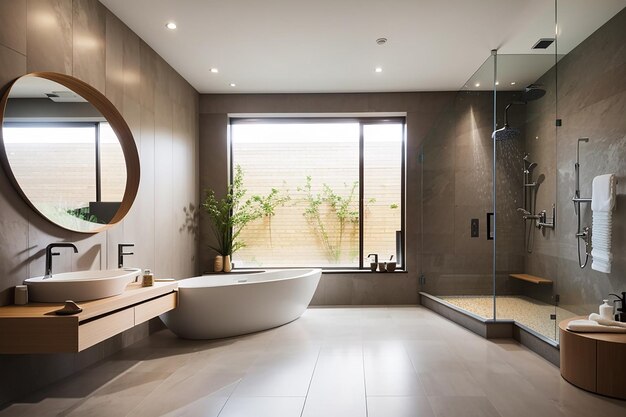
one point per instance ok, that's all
(114, 60)
(591, 99)
(163, 202)
(89, 27)
(49, 36)
(13, 25)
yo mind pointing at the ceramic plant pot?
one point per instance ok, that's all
(218, 264)
(227, 265)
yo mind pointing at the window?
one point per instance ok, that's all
(333, 190)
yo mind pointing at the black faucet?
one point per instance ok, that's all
(620, 314)
(375, 255)
(121, 253)
(50, 254)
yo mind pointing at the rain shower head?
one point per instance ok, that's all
(533, 92)
(530, 93)
(505, 133)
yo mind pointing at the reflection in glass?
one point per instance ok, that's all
(65, 157)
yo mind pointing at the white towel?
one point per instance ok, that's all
(598, 318)
(602, 204)
(603, 193)
(592, 326)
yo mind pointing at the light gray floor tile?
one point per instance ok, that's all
(463, 406)
(345, 362)
(263, 407)
(399, 407)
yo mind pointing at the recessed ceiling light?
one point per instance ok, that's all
(233, 85)
(477, 85)
(381, 41)
(171, 25)
(513, 83)
(497, 82)
(378, 69)
(214, 70)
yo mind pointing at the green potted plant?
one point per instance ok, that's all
(230, 215)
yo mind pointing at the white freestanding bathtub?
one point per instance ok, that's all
(215, 306)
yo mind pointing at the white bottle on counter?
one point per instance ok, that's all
(606, 310)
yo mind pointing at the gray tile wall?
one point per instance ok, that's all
(82, 38)
(591, 103)
(422, 109)
(457, 187)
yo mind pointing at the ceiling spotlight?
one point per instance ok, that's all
(171, 25)
(513, 83)
(378, 69)
(381, 41)
(233, 85)
(477, 85)
(214, 70)
(497, 82)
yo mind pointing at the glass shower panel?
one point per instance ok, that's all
(525, 147)
(457, 166)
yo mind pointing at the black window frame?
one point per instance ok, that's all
(97, 148)
(362, 121)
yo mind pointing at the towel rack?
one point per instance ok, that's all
(583, 234)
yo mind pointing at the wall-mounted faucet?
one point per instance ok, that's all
(375, 255)
(620, 312)
(121, 253)
(50, 254)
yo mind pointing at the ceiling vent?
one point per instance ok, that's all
(65, 97)
(543, 43)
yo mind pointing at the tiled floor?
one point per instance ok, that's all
(531, 313)
(344, 362)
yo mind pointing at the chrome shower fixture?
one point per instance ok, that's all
(530, 93)
(583, 234)
(529, 194)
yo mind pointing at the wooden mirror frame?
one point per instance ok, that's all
(115, 120)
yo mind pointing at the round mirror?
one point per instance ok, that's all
(68, 151)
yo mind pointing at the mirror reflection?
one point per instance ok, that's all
(63, 154)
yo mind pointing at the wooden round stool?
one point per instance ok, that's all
(595, 362)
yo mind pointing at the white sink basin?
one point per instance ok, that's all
(80, 286)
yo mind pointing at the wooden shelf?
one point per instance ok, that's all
(34, 328)
(531, 278)
(594, 361)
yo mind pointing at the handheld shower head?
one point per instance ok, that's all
(532, 166)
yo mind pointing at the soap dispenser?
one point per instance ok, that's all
(606, 310)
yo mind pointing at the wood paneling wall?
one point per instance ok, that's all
(82, 38)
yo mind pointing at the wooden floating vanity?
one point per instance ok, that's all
(34, 328)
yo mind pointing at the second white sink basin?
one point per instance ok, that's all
(80, 286)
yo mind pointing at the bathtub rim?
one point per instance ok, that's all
(311, 271)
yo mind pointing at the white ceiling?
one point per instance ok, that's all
(320, 46)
